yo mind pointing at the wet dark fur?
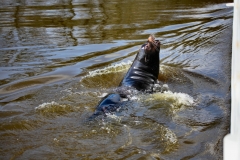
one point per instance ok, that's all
(141, 76)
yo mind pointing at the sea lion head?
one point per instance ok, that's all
(152, 45)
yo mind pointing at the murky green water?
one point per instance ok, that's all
(58, 57)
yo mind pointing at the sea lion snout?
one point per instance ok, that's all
(152, 45)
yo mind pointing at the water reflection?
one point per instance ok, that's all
(57, 58)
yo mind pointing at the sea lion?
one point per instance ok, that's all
(141, 76)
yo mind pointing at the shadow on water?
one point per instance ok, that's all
(59, 58)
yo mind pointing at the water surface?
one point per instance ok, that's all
(57, 58)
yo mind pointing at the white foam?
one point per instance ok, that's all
(113, 116)
(103, 95)
(177, 101)
(46, 105)
(170, 136)
(134, 98)
(182, 98)
(115, 68)
(53, 107)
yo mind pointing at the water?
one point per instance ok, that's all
(58, 58)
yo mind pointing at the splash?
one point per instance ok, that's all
(106, 77)
(173, 101)
(115, 68)
(170, 136)
(51, 108)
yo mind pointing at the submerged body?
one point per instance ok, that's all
(141, 76)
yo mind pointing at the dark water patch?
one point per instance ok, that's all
(29, 83)
(5, 114)
(19, 125)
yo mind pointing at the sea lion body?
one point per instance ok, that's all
(144, 71)
(142, 75)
